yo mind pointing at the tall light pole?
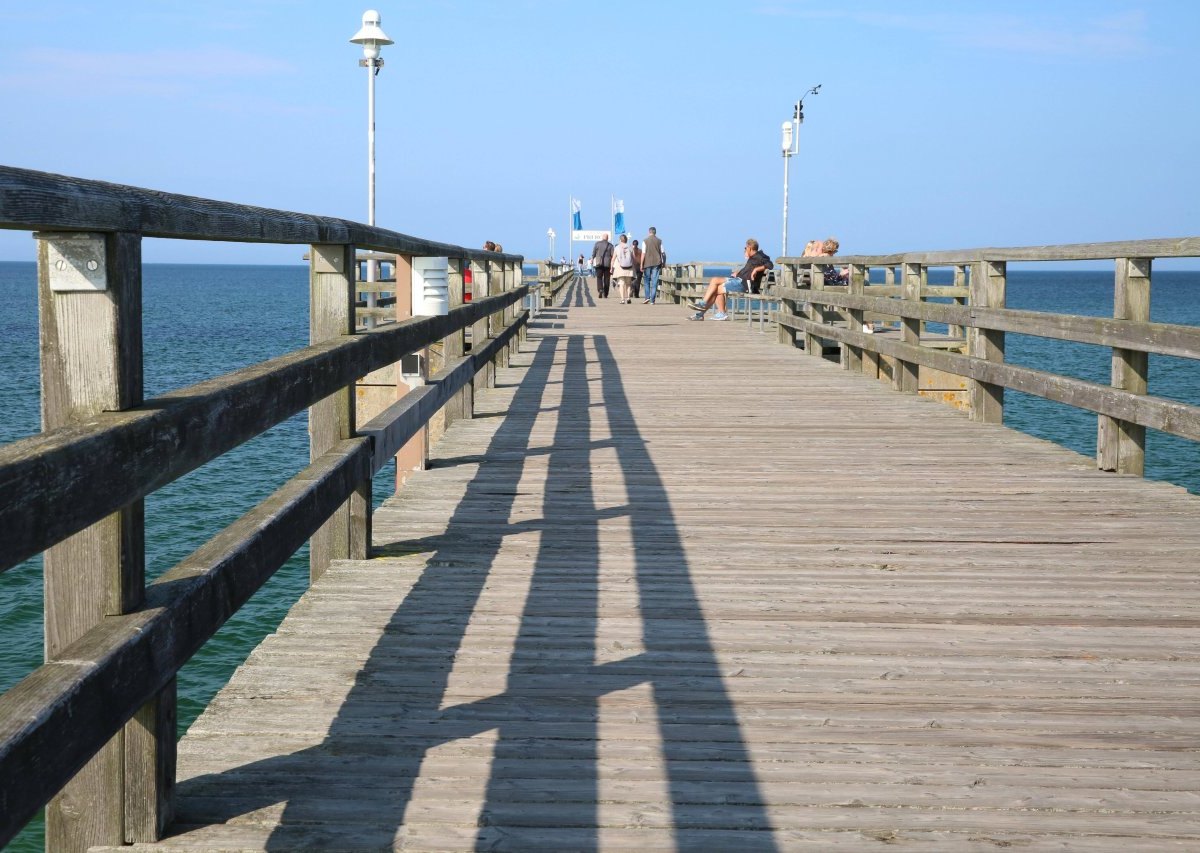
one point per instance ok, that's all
(372, 37)
(790, 145)
(550, 233)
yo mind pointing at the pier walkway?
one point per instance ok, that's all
(679, 587)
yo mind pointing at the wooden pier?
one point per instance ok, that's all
(663, 585)
(606, 619)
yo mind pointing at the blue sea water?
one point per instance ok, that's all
(203, 321)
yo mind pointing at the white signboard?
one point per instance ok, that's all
(587, 236)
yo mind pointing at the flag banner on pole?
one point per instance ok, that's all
(618, 218)
(576, 214)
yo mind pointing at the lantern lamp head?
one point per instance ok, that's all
(371, 36)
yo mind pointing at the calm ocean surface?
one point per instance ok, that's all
(203, 321)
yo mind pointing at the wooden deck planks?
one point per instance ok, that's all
(679, 587)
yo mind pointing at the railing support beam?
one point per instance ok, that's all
(90, 296)
(787, 307)
(816, 314)
(455, 346)
(1121, 445)
(906, 374)
(853, 355)
(481, 332)
(988, 282)
(347, 533)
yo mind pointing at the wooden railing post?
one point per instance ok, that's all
(905, 374)
(960, 280)
(1121, 445)
(871, 360)
(853, 360)
(987, 287)
(481, 330)
(455, 345)
(512, 276)
(787, 307)
(90, 296)
(500, 272)
(816, 314)
(346, 534)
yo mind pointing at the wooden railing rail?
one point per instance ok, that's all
(1172, 247)
(39, 201)
(841, 314)
(96, 723)
(553, 277)
(55, 720)
(59, 482)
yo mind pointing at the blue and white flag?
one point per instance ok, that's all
(576, 215)
(618, 218)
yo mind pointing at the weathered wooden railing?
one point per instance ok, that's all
(679, 282)
(553, 277)
(92, 733)
(841, 315)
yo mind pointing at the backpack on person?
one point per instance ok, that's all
(625, 256)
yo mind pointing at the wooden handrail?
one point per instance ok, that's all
(114, 644)
(59, 482)
(1124, 408)
(57, 718)
(1166, 247)
(1156, 412)
(53, 721)
(40, 201)
(1159, 338)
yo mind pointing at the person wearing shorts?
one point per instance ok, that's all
(757, 264)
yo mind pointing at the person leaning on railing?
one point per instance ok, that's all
(757, 264)
(833, 275)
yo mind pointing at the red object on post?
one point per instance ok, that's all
(467, 281)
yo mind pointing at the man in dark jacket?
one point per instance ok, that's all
(757, 264)
(602, 254)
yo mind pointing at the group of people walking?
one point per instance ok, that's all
(631, 267)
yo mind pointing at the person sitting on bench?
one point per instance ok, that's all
(757, 264)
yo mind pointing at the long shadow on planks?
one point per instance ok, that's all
(543, 788)
(579, 294)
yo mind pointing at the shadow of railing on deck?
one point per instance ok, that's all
(544, 784)
(579, 294)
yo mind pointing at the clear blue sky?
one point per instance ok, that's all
(939, 124)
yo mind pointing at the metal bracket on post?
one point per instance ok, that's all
(77, 261)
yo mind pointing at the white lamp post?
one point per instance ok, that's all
(550, 233)
(787, 156)
(791, 146)
(372, 38)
